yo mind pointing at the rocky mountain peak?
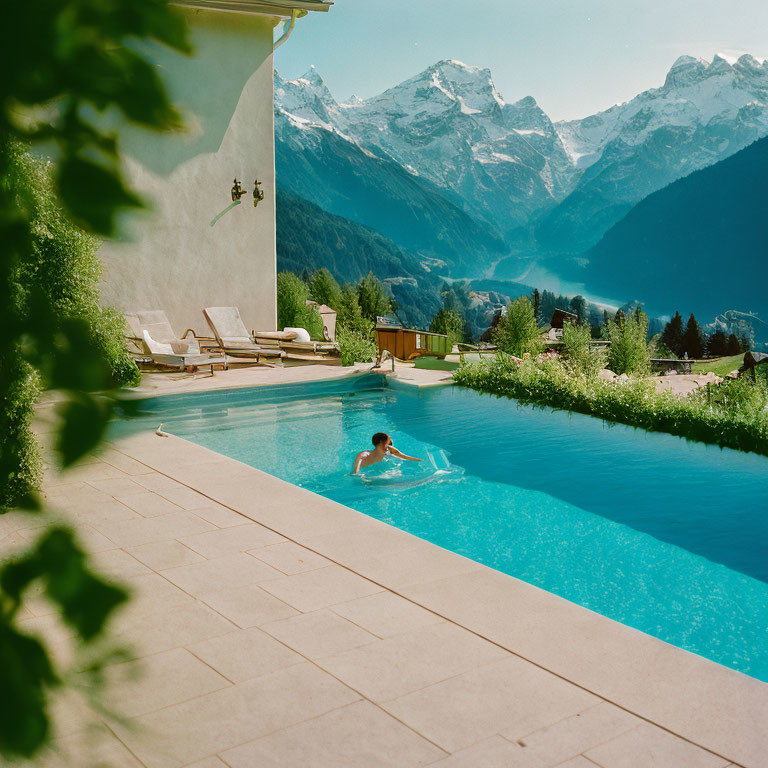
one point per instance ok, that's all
(526, 114)
(312, 76)
(686, 70)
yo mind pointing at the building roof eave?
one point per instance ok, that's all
(281, 8)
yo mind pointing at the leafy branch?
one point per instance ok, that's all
(68, 66)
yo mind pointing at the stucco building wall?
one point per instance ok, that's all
(171, 257)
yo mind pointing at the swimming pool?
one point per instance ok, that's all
(661, 534)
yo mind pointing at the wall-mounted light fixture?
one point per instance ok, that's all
(237, 191)
(258, 193)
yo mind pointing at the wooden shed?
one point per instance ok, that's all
(562, 316)
(407, 344)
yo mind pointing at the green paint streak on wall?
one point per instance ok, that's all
(226, 210)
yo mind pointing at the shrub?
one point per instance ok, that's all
(355, 346)
(628, 352)
(517, 332)
(61, 273)
(354, 333)
(292, 294)
(292, 309)
(65, 266)
(17, 438)
(733, 415)
(579, 356)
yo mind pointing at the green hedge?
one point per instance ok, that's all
(59, 277)
(65, 265)
(733, 414)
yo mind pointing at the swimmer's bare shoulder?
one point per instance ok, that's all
(359, 459)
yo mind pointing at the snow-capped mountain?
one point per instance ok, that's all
(449, 125)
(507, 165)
(694, 93)
(704, 112)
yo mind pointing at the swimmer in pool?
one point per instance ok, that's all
(382, 445)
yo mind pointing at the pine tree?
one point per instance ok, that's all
(717, 344)
(744, 343)
(578, 305)
(734, 345)
(618, 318)
(548, 305)
(536, 303)
(449, 322)
(324, 289)
(693, 339)
(672, 336)
(374, 302)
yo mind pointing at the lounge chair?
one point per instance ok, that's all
(152, 340)
(234, 340)
(233, 337)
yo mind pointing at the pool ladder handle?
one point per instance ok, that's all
(384, 355)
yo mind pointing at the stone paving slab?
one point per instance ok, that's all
(327, 638)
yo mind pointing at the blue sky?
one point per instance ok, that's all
(574, 56)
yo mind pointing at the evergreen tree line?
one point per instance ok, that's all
(357, 305)
(675, 337)
(691, 340)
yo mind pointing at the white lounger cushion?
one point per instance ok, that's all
(301, 334)
(155, 323)
(155, 347)
(275, 335)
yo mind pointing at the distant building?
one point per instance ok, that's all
(559, 318)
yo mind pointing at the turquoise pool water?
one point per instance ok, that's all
(658, 533)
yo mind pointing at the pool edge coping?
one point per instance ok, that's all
(690, 696)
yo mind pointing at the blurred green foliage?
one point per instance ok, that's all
(65, 63)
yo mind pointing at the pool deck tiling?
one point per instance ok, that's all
(273, 627)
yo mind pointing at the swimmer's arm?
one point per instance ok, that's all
(401, 455)
(358, 462)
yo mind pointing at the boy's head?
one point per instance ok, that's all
(381, 438)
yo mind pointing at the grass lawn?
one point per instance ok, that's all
(435, 364)
(722, 366)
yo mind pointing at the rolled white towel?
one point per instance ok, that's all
(301, 334)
